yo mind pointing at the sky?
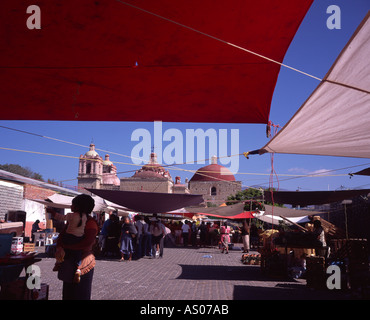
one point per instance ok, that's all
(313, 50)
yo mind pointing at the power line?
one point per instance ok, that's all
(68, 142)
(204, 173)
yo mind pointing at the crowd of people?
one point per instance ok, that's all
(146, 236)
(142, 236)
(137, 238)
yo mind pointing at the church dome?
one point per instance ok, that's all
(213, 172)
(111, 179)
(91, 153)
(152, 170)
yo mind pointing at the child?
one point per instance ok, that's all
(225, 238)
(76, 221)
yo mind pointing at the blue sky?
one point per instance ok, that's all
(313, 50)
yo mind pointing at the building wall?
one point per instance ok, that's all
(223, 190)
(109, 187)
(150, 185)
(34, 211)
(14, 197)
(88, 181)
(180, 188)
(36, 193)
(11, 197)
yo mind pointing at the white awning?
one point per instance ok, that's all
(276, 220)
(334, 120)
(62, 201)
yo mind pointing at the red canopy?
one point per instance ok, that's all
(243, 215)
(106, 60)
(235, 211)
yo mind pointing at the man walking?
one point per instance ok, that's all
(185, 233)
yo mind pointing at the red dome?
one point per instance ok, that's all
(213, 172)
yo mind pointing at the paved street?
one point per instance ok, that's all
(184, 274)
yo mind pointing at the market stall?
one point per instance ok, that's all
(12, 286)
(295, 251)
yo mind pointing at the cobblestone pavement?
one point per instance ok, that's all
(185, 274)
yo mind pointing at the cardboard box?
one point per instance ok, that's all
(17, 245)
(28, 247)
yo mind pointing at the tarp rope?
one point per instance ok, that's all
(270, 135)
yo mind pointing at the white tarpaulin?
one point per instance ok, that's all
(335, 119)
(276, 220)
(62, 201)
(274, 215)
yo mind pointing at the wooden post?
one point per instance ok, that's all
(49, 222)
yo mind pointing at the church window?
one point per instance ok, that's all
(213, 191)
(107, 169)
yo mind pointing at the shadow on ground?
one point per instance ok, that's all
(209, 272)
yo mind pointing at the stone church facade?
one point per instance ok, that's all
(214, 181)
(96, 173)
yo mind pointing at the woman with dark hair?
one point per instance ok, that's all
(82, 205)
(76, 222)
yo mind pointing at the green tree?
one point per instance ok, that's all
(250, 194)
(22, 171)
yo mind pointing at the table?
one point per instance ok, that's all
(11, 267)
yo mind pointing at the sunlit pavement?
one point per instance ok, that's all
(186, 274)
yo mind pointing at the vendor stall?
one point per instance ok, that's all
(14, 287)
(285, 253)
(298, 252)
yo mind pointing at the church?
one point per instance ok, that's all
(214, 182)
(96, 173)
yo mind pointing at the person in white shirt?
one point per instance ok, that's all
(185, 233)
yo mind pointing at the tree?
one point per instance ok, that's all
(22, 171)
(250, 194)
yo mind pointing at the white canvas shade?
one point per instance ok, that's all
(334, 120)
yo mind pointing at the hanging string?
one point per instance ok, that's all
(271, 131)
(68, 142)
